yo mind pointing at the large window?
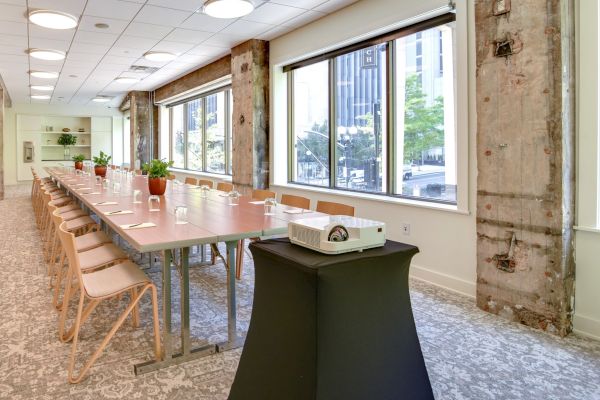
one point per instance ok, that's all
(201, 133)
(379, 117)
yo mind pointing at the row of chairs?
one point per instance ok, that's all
(81, 258)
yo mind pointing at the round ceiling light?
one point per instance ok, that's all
(49, 55)
(126, 79)
(42, 88)
(228, 8)
(53, 19)
(44, 74)
(160, 56)
(101, 99)
(40, 96)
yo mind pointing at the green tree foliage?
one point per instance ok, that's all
(423, 124)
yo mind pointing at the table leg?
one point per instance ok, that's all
(185, 300)
(233, 340)
(166, 297)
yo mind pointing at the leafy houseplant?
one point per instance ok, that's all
(78, 161)
(157, 171)
(66, 140)
(100, 164)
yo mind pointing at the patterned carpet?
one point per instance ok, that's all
(469, 354)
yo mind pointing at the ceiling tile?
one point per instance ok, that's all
(274, 33)
(54, 34)
(187, 5)
(135, 42)
(115, 26)
(172, 47)
(304, 19)
(202, 22)
(246, 28)
(188, 36)
(306, 4)
(41, 43)
(126, 52)
(125, 61)
(14, 40)
(147, 30)
(96, 37)
(112, 9)
(274, 14)
(84, 57)
(224, 40)
(13, 28)
(334, 5)
(14, 50)
(13, 13)
(89, 47)
(162, 16)
(74, 7)
(206, 50)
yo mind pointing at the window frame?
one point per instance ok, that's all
(390, 95)
(228, 126)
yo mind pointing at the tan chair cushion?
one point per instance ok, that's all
(91, 240)
(60, 202)
(78, 223)
(69, 215)
(114, 280)
(100, 256)
(67, 208)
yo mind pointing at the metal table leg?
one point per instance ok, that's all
(233, 340)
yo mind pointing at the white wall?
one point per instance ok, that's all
(587, 239)
(10, 132)
(447, 239)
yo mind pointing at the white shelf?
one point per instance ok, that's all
(59, 145)
(60, 132)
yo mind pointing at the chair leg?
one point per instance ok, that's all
(239, 261)
(157, 345)
(135, 314)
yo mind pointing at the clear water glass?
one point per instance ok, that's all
(137, 196)
(105, 183)
(116, 187)
(181, 215)
(78, 172)
(270, 204)
(98, 180)
(234, 198)
(153, 203)
(204, 191)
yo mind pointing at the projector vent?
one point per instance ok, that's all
(307, 236)
(143, 69)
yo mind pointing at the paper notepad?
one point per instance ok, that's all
(296, 211)
(85, 188)
(138, 226)
(257, 202)
(224, 194)
(105, 203)
(120, 212)
(87, 193)
(78, 184)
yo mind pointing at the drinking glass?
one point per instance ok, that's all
(105, 183)
(137, 195)
(181, 215)
(270, 204)
(116, 187)
(78, 172)
(234, 198)
(98, 180)
(153, 203)
(204, 190)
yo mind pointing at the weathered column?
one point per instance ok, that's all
(142, 135)
(1, 143)
(250, 83)
(525, 143)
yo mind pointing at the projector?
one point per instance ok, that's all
(336, 234)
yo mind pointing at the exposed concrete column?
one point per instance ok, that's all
(1, 144)
(250, 83)
(142, 135)
(525, 135)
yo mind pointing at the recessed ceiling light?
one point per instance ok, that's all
(50, 55)
(101, 25)
(228, 8)
(72, 76)
(53, 19)
(40, 96)
(126, 79)
(159, 56)
(43, 88)
(44, 74)
(101, 99)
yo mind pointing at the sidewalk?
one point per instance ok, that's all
(427, 170)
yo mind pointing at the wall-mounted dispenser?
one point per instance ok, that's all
(28, 152)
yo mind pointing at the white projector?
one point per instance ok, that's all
(337, 234)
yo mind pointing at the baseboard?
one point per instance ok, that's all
(586, 326)
(443, 280)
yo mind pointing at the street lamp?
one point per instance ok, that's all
(308, 154)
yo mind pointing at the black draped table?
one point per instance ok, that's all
(331, 327)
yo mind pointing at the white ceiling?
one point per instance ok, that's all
(95, 57)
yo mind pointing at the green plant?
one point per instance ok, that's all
(102, 160)
(78, 158)
(157, 168)
(66, 139)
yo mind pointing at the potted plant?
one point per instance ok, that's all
(100, 164)
(157, 171)
(79, 161)
(66, 140)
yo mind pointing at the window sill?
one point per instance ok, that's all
(377, 197)
(224, 178)
(588, 229)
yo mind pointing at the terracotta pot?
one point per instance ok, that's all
(78, 164)
(100, 170)
(157, 186)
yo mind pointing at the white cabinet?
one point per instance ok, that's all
(101, 135)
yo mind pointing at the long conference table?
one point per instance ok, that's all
(209, 220)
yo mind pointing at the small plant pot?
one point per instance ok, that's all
(100, 170)
(79, 165)
(157, 186)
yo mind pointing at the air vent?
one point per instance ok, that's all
(143, 69)
(306, 236)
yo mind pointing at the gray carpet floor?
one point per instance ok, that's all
(469, 354)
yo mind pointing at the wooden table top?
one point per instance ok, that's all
(210, 220)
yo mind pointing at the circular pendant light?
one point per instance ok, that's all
(40, 97)
(228, 8)
(126, 80)
(101, 99)
(53, 19)
(42, 88)
(160, 56)
(44, 74)
(49, 55)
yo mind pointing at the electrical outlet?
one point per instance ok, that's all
(406, 228)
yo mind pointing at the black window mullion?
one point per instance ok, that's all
(185, 136)
(391, 119)
(332, 124)
(203, 133)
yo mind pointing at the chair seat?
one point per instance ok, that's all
(91, 240)
(79, 223)
(70, 215)
(100, 256)
(67, 208)
(113, 280)
(60, 202)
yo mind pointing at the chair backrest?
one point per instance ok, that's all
(67, 240)
(171, 177)
(295, 201)
(191, 181)
(331, 208)
(206, 182)
(138, 171)
(224, 186)
(261, 194)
